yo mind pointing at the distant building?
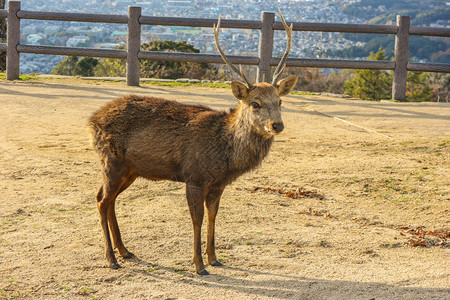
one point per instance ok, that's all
(125, 3)
(180, 3)
(76, 40)
(56, 40)
(33, 39)
(52, 28)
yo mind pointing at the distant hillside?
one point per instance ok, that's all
(434, 50)
(422, 13)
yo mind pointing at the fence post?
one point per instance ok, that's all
(401, 58)
(265, 47)
(133, 45)
(12, 40)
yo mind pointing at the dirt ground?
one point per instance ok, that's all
(351, 203)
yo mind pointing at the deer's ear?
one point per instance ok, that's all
(240, 90)
(286, 85)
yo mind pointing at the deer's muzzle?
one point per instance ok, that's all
(278, 127)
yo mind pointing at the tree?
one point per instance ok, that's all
(85, 66)
(73, 66)
(172, 69)
(66, 66)
(160, 69)
(313, 80)
(440, 86)
(111, 67)
(376, 84)
(416, 87)
(370, 84)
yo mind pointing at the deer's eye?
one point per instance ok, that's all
(280, 102)
(256, 105)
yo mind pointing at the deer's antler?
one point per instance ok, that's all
(282, 64)
(225, 59)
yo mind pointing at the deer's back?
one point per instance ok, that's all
(130, 113)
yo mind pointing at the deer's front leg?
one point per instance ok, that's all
(212, 206)
(196, 196)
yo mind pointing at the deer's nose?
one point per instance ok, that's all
(278, 127)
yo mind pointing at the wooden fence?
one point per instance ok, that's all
(264, 60)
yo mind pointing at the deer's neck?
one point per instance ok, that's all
(249, 147)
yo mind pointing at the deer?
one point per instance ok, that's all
(159, 139)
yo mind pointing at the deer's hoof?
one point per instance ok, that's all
(216, 263)
(115, 266)
(128, 255)
(203, 272)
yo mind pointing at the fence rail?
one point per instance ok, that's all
(264, 60)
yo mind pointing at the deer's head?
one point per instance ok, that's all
(261, 102)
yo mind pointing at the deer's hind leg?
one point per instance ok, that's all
(112, 221)
(116, 178)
